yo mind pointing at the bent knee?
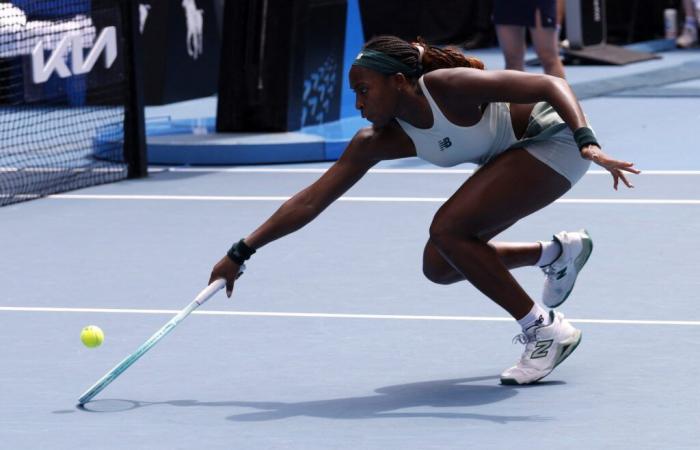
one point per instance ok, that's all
(437, 275)
(444, 232)
(436, 268)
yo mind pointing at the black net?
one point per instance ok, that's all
(63, 96)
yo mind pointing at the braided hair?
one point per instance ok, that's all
(433, 58)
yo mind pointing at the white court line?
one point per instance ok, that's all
(63, 169)
(305, 170)
(334, 316)
(310, 170)
(254, 198)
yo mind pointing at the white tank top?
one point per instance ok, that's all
(446, 144)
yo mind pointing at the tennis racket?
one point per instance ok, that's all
(112, 375)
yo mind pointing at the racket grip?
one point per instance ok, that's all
(222, 281)
(210, 290)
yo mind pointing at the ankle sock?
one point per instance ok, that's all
(550, 252)
(536, 314)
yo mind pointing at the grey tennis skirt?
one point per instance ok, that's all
(561, 153)
(551, 141)
(522, 12)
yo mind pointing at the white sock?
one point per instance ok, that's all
(537, 313)
(550, 252)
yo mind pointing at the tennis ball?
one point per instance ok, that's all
(92, 336)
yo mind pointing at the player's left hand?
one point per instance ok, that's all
(616, 167)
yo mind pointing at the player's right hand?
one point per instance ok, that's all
(228, 270)
(616, 167)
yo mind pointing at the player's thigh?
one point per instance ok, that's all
(511, 186)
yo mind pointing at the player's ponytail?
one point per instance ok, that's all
(442, 58)
(390, 54)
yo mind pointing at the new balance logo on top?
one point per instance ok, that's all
(444, 143)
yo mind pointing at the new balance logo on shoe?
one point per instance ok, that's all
(444, 143)
(552, 344)
(541, 349)
(560, 275)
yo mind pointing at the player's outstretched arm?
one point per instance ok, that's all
(304, 206)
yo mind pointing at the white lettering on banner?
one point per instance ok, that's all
(195, 21)
(597, 17)
(106, 43)
(143, 15)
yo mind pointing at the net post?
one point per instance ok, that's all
(134, 120)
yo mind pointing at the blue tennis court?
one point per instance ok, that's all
(334, 339)
(335, 327)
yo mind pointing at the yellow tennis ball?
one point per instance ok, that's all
(92, 336)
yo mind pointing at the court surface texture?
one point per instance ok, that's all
(333, 338)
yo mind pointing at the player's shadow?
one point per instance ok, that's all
(391, 400)
(388, 403)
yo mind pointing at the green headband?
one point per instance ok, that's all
(383, 63)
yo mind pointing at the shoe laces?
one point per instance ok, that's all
(549, 270)
(529, 342)
(522, 338)
(553, 271)
(529, 335)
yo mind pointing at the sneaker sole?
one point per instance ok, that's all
(565, 354)
(579, 262)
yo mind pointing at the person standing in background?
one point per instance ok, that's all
(689, 36)
(512, 17)
(561, 15)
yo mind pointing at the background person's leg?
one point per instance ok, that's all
(511, 39)
(544, 39)
(689, 36)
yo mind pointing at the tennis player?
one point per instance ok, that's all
(532, 142)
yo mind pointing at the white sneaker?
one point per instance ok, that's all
(545, 348)
(688, 38)
(560, 276)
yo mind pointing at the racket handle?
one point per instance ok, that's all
(209, 291)
(219, 283)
